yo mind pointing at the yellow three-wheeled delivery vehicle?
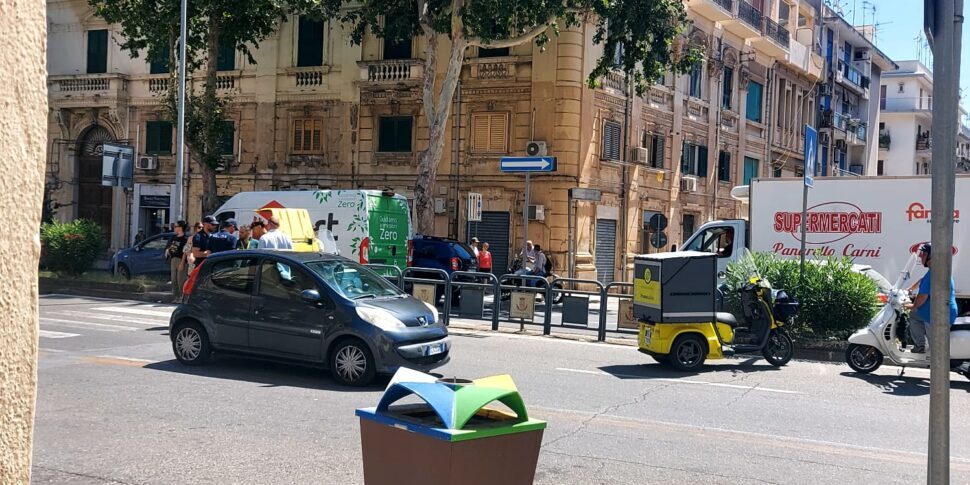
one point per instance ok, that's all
(676, 299)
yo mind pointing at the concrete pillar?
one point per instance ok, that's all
(23, 134)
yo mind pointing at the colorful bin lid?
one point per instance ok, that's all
(453, 410)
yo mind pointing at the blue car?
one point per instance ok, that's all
(144, 258)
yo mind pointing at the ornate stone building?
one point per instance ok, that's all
(318, 112)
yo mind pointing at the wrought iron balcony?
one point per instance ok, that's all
(725, 4)
(924, 143)
(749, 14)
(776, 32)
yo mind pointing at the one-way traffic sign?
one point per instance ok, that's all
(528, 164)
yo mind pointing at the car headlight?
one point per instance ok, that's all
(433, 310)
(382, 319)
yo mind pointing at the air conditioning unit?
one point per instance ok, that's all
(147, 162)
(225, 163)
(536, 149)
(823, 138)
(862, 55)
(537, 212)
(688, 183)
(840, 145)
(640, 155)
(825, 90)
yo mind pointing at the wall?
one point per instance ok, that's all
(23, 99)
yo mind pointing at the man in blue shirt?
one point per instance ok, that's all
(920, 315)
(224, 240)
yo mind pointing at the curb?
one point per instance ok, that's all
(117, 291)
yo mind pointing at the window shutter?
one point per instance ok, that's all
(297, 135)
(685, 154)
(611, 140)
(702, 161)
(97, 51)
(480, 132)
(309, 50)
(658, 154)
(498, 133)
(316, 144)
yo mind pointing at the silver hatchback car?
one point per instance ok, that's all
(308, 307)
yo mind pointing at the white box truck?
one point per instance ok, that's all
(369, 226)
(875, 221)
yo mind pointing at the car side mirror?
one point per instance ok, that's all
(721, 275)
(311, 296)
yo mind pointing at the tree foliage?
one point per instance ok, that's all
(70, 248)
(151, 28)
(638, 39)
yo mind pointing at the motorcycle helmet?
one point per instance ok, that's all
(925, 248)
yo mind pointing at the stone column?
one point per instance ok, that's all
(23, 134)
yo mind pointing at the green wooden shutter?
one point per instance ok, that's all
(702, 161)
(158, 64)
(226, 59)
(97, 51)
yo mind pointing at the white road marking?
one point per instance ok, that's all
(53, 351)
(129, 359)
(111, 318)
(133, 311)
(52, 334)
(681, 381)
(95, 326)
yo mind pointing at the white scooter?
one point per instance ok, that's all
(886, 336)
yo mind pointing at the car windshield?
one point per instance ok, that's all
(353, 280)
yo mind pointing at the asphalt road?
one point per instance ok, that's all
(115, 407)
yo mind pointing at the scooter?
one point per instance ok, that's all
(686, 346)
(886, 336)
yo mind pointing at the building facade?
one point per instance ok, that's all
(848, 108)
(315, 111)
(906, 123)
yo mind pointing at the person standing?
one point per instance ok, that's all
(258, 229)
(244, 238)
(224, 240)
(920, 317)
(540, 268)
(275, 238)
(187, 258)
(174, 254)
(474, 245)
(200, 242)
(485, 259)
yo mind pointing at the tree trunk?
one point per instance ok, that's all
(437, 113)
(208, 154)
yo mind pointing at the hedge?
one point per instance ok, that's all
(70, 248)
(835, 301)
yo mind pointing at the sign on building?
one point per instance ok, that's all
(117, 164)
(474, 207)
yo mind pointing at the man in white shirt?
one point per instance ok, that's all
(275, 238)
(474, 245)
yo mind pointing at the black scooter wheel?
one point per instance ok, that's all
(779, 349)
(863, 358)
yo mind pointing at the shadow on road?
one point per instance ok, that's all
(663, 371)
(267, 373)
(905, 385)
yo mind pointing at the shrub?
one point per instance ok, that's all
(70, 248)
(835, 301)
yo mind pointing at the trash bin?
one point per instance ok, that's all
(449, 436)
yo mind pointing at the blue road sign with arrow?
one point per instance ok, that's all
(528, 164)
(811, 143)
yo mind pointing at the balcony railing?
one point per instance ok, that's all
(861, 130)
(854, 75)
(725, 4)
(391, 70)
(884, 139)
(615, 80)
(924, 143)
(840, 121)
(749, 15)
(776, 32)
(88, 84)
(908, 104)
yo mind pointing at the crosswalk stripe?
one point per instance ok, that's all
(133, 311)
(52, 334)
(96, 326)
(110, 318)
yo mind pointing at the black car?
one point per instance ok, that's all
(308, 307)
(441, 253)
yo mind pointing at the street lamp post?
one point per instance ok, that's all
(178, 209)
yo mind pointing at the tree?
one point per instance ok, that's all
(638, 37)
(151, 27)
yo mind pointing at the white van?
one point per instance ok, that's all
(369, 226)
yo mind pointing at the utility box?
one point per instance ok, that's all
(677, 287)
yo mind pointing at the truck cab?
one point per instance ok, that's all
(726, 239)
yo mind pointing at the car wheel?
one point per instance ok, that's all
(124, 272)
(351, 363)
(191, 344)
(688, 352)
